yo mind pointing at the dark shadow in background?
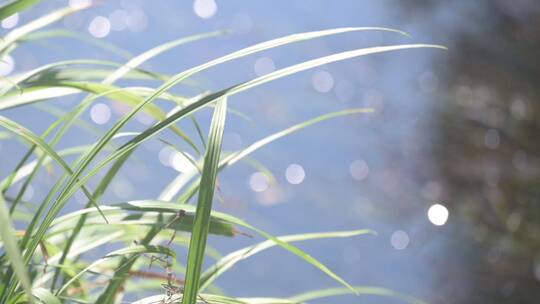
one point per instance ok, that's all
(486, 147)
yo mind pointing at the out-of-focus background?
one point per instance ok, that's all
(447, 170)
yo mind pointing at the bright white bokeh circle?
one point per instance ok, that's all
(438, 214)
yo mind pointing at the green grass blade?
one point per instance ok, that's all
(103, 185)
(233, 158)
(161, 206)
(21, 131)
(72, 184)
(118, 216)
(56, 89)
(127, 97)
(267, 301)
(81, 74)
(239, 54)
(34, 94)
(19, 174)
(43, 70)
(184, 75)
(269, 77)
(45, 296)
(132, 250)
(16, 6)
(37, 24)
(10, 179)
(60, 33)
(93, 152)
(228, 261)
(360, 290)
(108, 296)
(111, 78)
(132, 144)
(293, 249)
(28, 135)
(59, 112)
(199, 235)
(176, 185)
(137, 61)
(11, 248)
(208, 298)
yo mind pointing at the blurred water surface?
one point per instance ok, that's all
(368, 171)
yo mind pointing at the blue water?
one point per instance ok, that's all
(394, 142)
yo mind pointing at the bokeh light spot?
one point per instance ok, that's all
(205, 8)
(295, 174)
(438, 214)
(119, 20)
(100, 113)
(399, 240)
(258, 182)
(359, 170)
(264, 65)
(322, 81)
(99, 27)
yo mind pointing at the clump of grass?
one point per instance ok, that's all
(44, 261)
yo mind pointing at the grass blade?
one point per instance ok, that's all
(37, 24)
(176, 185)
(228, 261)
(76, 181)
(68, 189)
(111, 78)
(132, 250)
(45, 296)
(12, 249)
(60, 33)
(119, 215)
(160, 206)
(127, 97)
(16, 6)
(132, 144)
(36, 140)
(360, 290)
(42, 70)
(137, 61)
(72, 184)
(199, 235)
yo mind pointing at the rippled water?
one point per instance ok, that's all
(370, 171)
